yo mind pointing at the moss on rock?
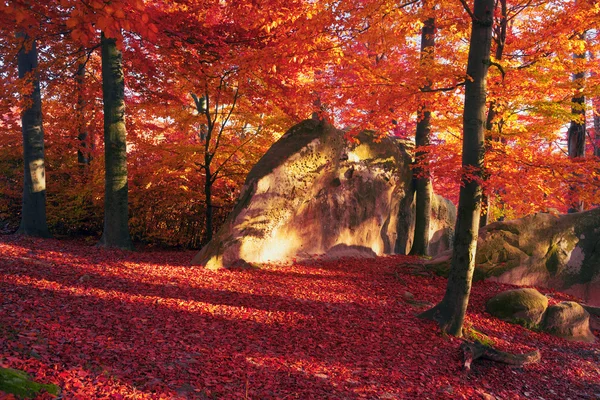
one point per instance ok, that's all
(20, 384)
(520, 306)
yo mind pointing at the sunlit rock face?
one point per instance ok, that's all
(561, 252)
(441, 226)
(312, 191)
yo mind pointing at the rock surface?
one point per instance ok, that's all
(568, 320)
(521, 306)
(315, 193)
(443, 219)
(561, 252)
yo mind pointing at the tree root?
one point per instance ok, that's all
(474, 350)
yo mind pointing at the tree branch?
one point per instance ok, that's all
(444, 89)
(468, 9)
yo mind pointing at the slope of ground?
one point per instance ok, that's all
(116, 325)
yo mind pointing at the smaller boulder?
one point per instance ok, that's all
(342, 250)
(519, 306)
(240, 264)
(568, 320)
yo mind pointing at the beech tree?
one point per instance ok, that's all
(33, 215)
(84, 156)
(576, 132)
(360, 57)
(499, 37)
(423, 186)
(596, 105)
(450, 312)
(116, 215)
(212, 129)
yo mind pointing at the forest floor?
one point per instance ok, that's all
(106, 324)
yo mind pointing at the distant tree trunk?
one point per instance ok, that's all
(33, 215)
(450, 312)
(596, 105)
(216, 123)
(576, 132)
(500, 39)
(596, 117)
(208, 201)
(423, 187)
(84, 150)
(206, 135)
(116, 229)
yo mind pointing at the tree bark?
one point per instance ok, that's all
(596, 105)
(116, 229)
(576, 132)
(202, 106)
(500, 40)
(33, 214)
(450, 312)
(84, 149)
(423, 186)
(208, 202)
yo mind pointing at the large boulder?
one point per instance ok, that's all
(561, 252)
(520, 306)
(568, 320)
(315, 192)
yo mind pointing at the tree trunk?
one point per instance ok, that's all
(596, 105)
(450, 312)
(33, 214)
(576, 133)
(116, 229)
(202, 106)
(424, 189)
(491, 114)
(208, 203)
(84, 149)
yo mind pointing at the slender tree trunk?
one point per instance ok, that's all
(84, 149)
(450, 312)
(491, 114)
(596, 105)
(208, 157)
(423, 187)
(116, 229)
(576, 133)
(208, 203)
(202, 106)
(33, 214)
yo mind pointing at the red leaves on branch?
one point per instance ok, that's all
(118, 325)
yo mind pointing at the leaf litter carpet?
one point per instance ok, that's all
(106, 324)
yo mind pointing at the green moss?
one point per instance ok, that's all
(20, 384)
(440, 269)
(475, 336)
(529, 324)
(520, 306)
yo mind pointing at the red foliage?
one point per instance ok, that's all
(110, 324)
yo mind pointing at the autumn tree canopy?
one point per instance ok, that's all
(263, 65)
